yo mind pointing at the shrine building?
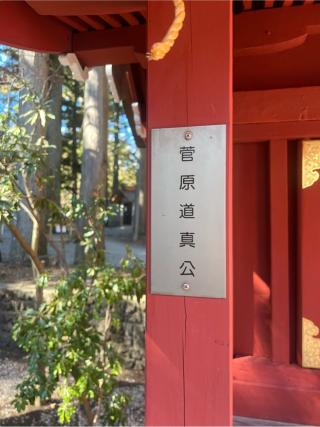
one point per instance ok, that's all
(233, 310)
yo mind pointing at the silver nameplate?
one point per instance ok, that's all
(188, 211)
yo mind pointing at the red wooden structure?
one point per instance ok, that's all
(269, 51)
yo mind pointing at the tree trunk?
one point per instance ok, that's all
(142, 195)
(139, 229)
(54, 137)
(94, 159)
(74, 155)
(115, 183)
(34, 70)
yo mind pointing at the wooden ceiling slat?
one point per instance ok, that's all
(143, 13)
(247, 4)
(130, 19)
(240, 6)
(268, 3)
(111, 21)
(113, 46)
(78, 8)
(112, 38)
(94, 23)
(74, 23)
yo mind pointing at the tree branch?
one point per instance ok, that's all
(26, 247)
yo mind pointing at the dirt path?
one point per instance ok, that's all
(117, 239)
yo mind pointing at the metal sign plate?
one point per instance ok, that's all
(188, 202)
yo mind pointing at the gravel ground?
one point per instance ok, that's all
(13, 363)
(12, 371)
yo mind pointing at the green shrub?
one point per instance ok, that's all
(68, 343)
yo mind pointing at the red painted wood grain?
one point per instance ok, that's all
(22, 27)
(279, 229)
(276, 391)
(188, 340)
(252, 307)
(291, 33)
(308, 251)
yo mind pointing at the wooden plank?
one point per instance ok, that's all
(288, 2)
(74, 23)
(111, 21)
(113, 46)
(268, 3)
(188, 340)
(72, 8)
(245, 421)
(277, 105)
(21, 27)
(252, 306)
(112, 55)
(112, 38)
(274, 391)
(246, 133)
(130, 19)
(94, 23)
(247, 4)
(143, 13)
(280, 284)
(274, 30)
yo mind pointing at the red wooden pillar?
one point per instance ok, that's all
(279, 216)
(188, 340)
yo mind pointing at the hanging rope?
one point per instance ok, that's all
(160, 49)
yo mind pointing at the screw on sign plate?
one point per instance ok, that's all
(185, 286)
(188, 135)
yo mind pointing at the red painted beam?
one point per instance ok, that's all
(275, 391)
(21, 27)
(256, 132)
(275, 30)
(112, 38)
(78, 8)
(278, 105)
(188, 340)
(114, 46)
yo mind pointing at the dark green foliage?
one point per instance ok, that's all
(70, 337)
(72, 114)
(20, 153)
(67, 339)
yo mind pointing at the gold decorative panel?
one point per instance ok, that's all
(310, 344)
(310, 162)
